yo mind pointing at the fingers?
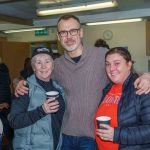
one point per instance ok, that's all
(143, 91)
(49, 100)
(147, 91)
(105, 126)
(143, 88)
(24, 87)
(142, 84)
(21, 88)
(103, 135)
(6, 105)
(50, 106)
(16, 93)
(136, 83)
(107, 133)
(54, 107)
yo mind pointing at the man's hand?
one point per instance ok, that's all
(142, 84)
(4, 105)
(21, 88)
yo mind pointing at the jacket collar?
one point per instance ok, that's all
(127, 84)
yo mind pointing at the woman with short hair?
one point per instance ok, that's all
(37, 120)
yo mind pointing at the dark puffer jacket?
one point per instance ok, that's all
(133, 131)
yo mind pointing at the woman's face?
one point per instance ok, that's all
(43, 66)
(117, 68)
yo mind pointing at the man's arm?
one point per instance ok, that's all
(142, 84)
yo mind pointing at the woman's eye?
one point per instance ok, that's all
(107, 64)
(116, 64)
(38, 62)
(48, 61)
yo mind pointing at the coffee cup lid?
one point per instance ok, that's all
(52, 93)
(103, 118)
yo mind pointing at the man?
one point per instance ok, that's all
(81, 72)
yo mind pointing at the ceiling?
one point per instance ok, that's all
(16, 14)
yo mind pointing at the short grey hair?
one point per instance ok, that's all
(34, 58)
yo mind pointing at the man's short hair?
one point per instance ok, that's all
(67, 17)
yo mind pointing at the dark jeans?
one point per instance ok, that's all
(78, 143)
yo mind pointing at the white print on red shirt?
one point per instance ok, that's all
(111, 99)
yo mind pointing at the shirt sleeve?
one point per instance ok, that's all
(20, 117)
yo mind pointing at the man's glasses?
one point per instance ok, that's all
(72, 32)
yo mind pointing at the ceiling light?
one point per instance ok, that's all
(115, 21)
(23, 30)
(74, 8)
(45, 2)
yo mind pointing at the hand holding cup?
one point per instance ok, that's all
(51, 105)
(105, 131)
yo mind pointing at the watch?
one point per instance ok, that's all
(107, 34)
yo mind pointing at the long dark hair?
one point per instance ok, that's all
(125, 54)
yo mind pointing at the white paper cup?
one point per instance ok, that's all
(103, 120)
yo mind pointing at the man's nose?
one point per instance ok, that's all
(68, 34)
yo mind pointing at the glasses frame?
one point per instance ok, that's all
(72, 32)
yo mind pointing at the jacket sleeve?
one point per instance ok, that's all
(20, 117)
(140, 133)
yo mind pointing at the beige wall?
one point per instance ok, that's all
(13, 55)
(129, 34)
(132, 35)
(30, 36)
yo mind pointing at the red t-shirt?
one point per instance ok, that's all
(109, 107)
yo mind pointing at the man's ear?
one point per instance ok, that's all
(81, 32)
(58, 37)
